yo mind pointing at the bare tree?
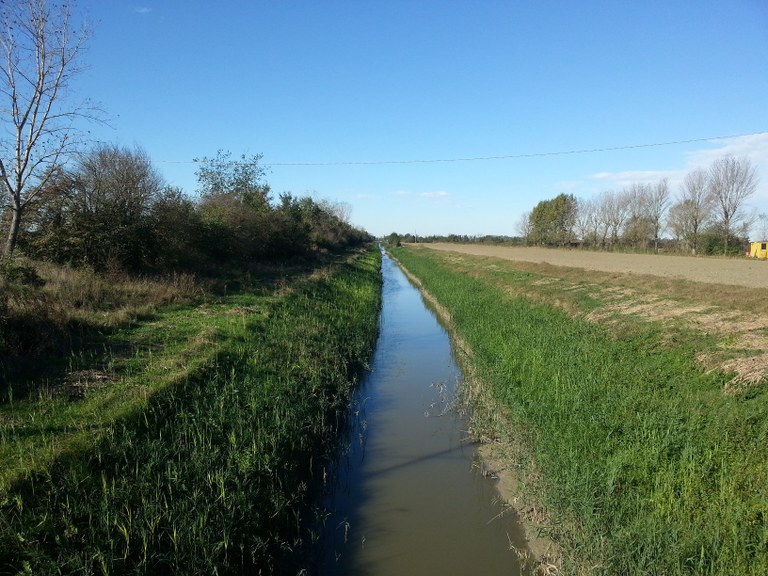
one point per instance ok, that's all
(524, 226)
(762, 226)
(731, 182)
(614, 212)
(658, 202)
(586, 223)
(693, 208)
(39, 55)
(637, 227)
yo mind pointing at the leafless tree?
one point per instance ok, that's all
(524, 226)
(39, 56)
(693, 208)
(658, 202)
(614, 210)
(637, 227)
(731, 182)
(762, 226)
(586, 223)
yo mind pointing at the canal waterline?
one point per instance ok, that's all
(408, 496)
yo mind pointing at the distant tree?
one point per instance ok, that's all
(393, 239)
(637, 228)
(586, 225)
(240, 180)
(762, 227)
(658, 204)
(614, 211)
(40, 53)
(524, 227)
(552, 221)
(235, 207)
(731, 182)
(693, 209)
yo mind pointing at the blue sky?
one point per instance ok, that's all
(396, 84)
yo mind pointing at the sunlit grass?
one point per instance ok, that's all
(647, 466)
(197, 456)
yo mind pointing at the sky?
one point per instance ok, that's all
(435, 117)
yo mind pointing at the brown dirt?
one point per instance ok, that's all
(738, 272)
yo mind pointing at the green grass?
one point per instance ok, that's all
(200, 456)
(648, 467)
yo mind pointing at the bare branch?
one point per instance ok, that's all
(40, 52)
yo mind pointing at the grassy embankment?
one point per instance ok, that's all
(647, 463)
(189, 444)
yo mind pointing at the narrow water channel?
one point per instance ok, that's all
(408, 496)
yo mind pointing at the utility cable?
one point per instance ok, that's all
(473, 158)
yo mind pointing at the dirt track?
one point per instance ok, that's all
(746, 272)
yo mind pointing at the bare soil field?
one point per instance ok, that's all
(737, 272)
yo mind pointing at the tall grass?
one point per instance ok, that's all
(647, 466)
(211, 473)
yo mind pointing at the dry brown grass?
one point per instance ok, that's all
(43, 307)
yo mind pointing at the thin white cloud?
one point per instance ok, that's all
(142, 10)
(628, 177)
(754, 147)
(401, 193)
(438, 194)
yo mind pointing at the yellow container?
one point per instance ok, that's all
(758, 250)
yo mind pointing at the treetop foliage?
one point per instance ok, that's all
(113, 211)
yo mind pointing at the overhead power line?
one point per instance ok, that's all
(481, 158)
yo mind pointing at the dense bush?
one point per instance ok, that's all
(113, 212)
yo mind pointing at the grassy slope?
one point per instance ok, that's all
(648, 466)
(195, 458)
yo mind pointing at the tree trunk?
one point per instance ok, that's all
(13, 231)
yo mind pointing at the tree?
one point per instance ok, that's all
(731, 182)
(614, 211)
(693, 209)
(524, 227)
(552, 221)
(99, 212)
(238, 180)
(658, 202)
(762, 229)
(235, 207)
(637, 228)
(40, 53)
(586, 224)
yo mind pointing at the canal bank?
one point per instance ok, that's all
(498, 449)
(409, 494)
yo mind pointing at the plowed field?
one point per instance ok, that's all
(738, 272)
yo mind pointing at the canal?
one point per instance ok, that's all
(408, 496)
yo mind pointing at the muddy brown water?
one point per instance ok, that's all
(408, 495)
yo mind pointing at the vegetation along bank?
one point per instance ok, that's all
(635, 408)
(188, 439)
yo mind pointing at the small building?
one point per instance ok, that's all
(758, 250)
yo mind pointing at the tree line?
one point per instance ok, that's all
(112, 210)
(107, 207)
(707, 215)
